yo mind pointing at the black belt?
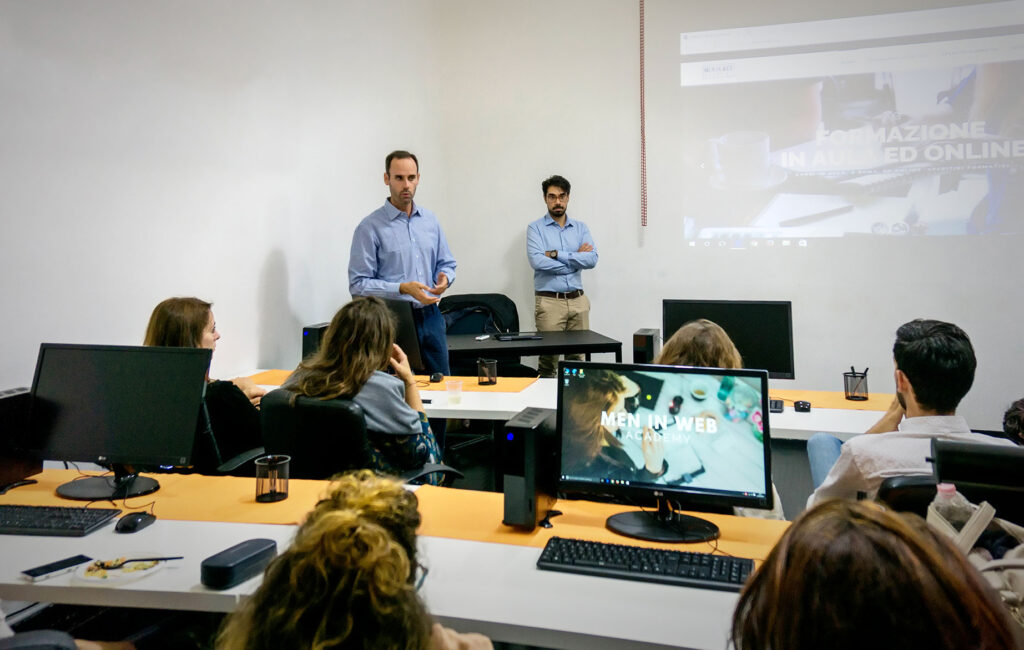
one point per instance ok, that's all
(560, 296)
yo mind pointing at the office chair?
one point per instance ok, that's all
(981, 472)
(908, 493)
(483, 313)
(323, 437)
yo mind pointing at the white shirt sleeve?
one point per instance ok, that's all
(844, 480)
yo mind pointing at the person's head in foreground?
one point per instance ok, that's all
(347, 581)
(935, 365)
(853, 575)
(700, 343)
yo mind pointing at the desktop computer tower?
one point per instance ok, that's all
(311, 337)
(15, 463)
(529, 465)
(646, 345)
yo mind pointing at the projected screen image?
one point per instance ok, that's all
(667, 427)
(909, 123)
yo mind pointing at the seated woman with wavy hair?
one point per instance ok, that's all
(849, 575)
(357, 348)
(347, 581)
(231, 406)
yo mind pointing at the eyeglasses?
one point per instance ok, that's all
(421, 575)
(556, 197)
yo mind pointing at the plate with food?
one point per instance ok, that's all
(119, 570)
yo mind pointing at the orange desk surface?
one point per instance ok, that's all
(467, 514)
(446, 512)
(504, 385)
(827, 399)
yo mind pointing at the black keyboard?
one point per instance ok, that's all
(701, 570)
(59, 521)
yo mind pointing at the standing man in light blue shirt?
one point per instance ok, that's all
(559, 248)
(399, 251)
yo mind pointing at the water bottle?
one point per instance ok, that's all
(952, 505)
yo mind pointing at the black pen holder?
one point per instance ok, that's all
(855, 385)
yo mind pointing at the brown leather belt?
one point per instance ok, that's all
(560, 296)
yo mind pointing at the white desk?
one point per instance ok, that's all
(788, 425)
(494, 589)
(175, 586)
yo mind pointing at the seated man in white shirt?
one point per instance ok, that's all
(935, 366)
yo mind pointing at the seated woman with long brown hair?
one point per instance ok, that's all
(851, 575)
(231, 406)
(357, 348)
(704, 344)
(349, 580)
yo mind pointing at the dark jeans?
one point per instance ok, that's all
(430, 331)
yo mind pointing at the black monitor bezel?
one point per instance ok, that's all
(686, 499)
(788, 373)
(115, 457)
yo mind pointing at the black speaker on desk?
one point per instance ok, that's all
(311, 337)
(646, 345)
(529, 464)
(15, 463)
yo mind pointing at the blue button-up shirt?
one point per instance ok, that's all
(389, 248)
(563, 274)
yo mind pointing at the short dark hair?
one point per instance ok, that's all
(558, 181)
(1013, 421)
(939, 361)
(399, 154)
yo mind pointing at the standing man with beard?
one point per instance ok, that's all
(559, 248)
(400, 252)
(935, 366)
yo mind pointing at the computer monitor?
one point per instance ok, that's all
(405, 333)
(683, 437)
(761, 329)
(118, 406)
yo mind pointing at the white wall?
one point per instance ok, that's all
(228, 149)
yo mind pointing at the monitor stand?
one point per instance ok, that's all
(124, 484)
(665, 525)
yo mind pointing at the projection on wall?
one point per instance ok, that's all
(904, 124)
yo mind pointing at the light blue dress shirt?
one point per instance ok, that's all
(389, 248)
(561, 275)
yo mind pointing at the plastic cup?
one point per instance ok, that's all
(454, 387)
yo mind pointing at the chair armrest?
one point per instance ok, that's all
(430, 468)
(235, 462)
(39, 640)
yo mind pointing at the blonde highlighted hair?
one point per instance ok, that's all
(357, 342)
(347, 579)
(700, 343)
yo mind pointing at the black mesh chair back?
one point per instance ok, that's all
(323, 437)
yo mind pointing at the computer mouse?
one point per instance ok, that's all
(802, 407)
(436, 377)
(133, 522)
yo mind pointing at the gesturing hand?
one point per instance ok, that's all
(441, 286)
(420, 292)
